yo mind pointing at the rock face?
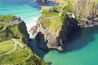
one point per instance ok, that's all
(91, 21)
(56, 39)
(49, 40)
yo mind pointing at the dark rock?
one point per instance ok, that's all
(23, 29)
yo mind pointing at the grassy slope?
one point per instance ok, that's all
(6, 46)
(10, 31)
(54, 22)
(23, 56)
(45, 12)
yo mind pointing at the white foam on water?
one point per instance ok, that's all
(30, 24)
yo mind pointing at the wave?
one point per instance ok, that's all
(31, 23)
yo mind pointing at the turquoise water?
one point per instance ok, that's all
(26, 9)
(81, 49)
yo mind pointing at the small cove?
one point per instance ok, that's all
(81, 49)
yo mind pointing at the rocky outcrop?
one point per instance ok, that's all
(54, 40)
(48, 39)
(14, 28)
(23, 29)
(91, 21)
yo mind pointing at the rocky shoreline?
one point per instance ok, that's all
(48, 40)
(56, 40)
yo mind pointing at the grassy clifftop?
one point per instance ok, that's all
(48, 11)
(4, 18)
(12, 29)
(50, 18)
(53, 17)
(13, 55)
(13, 39)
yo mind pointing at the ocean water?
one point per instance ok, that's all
(26, 9)
(81, 49)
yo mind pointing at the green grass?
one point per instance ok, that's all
(52, 24)
(12, 31)
(46, 13)
(8, 31)
(6, 18)
(6, 46)
(21, 56)
(1, 26)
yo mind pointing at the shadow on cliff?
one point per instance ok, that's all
(80, 39)
(34, 45)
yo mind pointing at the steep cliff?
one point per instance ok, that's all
(53, 29)
(12, 27)
(56, 23)
(13, 43)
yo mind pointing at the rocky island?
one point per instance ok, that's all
(57, 23)
(13, 43)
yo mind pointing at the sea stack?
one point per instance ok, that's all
(52, 31)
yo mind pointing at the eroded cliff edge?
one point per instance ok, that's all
(12, 27)
(56, 23)
(52, 29)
